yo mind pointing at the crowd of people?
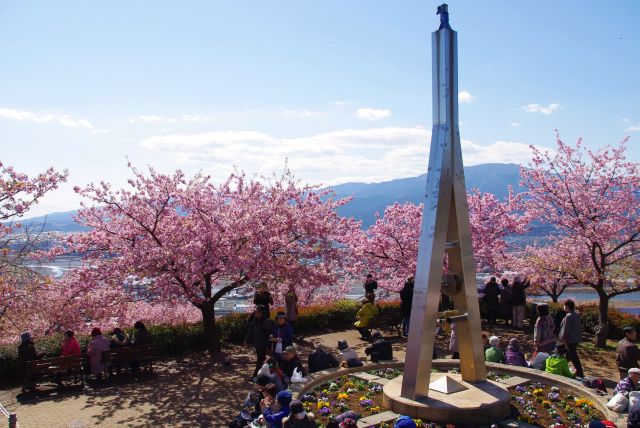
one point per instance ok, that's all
(70, 347)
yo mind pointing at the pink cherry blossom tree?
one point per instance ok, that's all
(549, 268)
(390, 246)
(169, 239)
(591, 198)
(18, 193)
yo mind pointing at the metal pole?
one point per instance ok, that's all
(445, 227)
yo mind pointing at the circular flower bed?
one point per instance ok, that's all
(535, 403)
(546, 406)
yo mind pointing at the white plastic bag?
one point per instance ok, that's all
(278, 349)
(634, 401)
(618, 403)
(264, 370)
(296, 377)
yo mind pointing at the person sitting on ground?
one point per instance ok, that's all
(142, 336)
(97, 345)
(27, 352)
(627, 353)
(342, 417)
(629, 383)
(251, 404)
(380, 349)
(494, 354)
(272, 370)
(537, 360)
(290, 362)
(119, 339)
(273, 417)
(513, 356)
(365, 314)
(348, 356)
(282, 335)
(557, 362)
(299, 418)
(404, 422)
(321, 359)
(70, 345)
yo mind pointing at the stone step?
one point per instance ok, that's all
(514, 381)
(378, 418)
(366, 376)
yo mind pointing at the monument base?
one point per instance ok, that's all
(478, 404)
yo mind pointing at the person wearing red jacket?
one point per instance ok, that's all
(70, 345)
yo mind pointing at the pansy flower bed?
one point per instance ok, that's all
(534, 403)
(351, 393)
(547, 406)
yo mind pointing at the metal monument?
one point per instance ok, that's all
(445, 230)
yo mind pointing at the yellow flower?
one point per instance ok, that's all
(343, 396)
(538, 391)
(322, 404)
(363, 398)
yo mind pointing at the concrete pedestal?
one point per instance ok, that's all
(479, 404)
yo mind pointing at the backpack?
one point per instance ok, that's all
(594, 383)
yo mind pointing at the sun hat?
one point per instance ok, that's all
(634, 370)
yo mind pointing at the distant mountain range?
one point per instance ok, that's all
(368, 198)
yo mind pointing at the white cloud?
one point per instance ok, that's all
(633, 128)
(374, 154)
(64, 120)
(515, 125)
(539, 108)
(372, 114)
(464, 97)
(151, 118)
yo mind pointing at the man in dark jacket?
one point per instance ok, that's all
(518, 301)
(491, 293)
(27, 352)
(380, 349)
(627, 354)
(571, 335)
(282, 335)
(290, 362)
(320, 359)
(406, 300)
(258, 336)
(370, 286)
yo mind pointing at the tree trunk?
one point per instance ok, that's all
(554, 297)
(602, 331)
(209, 324)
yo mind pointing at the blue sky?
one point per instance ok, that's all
(342, 89)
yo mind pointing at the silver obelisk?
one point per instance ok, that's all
(445, 229)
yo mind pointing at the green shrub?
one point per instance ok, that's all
(177, 339)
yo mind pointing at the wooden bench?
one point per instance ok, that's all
(72, 365)
(385, 320)
(140, 354)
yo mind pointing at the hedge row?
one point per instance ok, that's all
(177, 339)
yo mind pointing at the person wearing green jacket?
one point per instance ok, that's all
(494, 354)
(557, 362)
(365, 314)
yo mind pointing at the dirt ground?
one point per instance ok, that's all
(192, 391)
